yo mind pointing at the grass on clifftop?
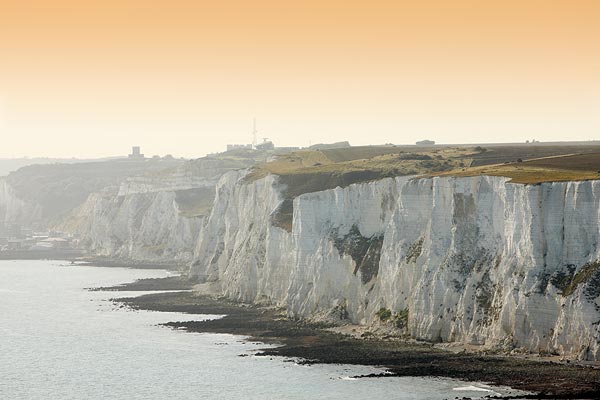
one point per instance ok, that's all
(311, 171)
(575, 167)
(379, 161)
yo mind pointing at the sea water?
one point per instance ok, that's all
(59, 340)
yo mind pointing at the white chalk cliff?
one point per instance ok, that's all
(156, 216)
(148, 210)
(470, 260)
(14, 209)
(140, 226)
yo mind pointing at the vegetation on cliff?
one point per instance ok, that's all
(309, 171)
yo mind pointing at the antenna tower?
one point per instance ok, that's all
(254, 134)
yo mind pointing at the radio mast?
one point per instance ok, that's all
(254, 134)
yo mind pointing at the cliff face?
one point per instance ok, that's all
(55, 190)
(477, 260)
(153, 217)
(144, 218)
(137, 209)
(140, 226)
(14, 209)
(471, 260)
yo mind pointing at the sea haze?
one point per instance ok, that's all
(61, 341)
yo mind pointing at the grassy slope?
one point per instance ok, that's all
(309, 171)
(511, 153)
(381, 161)
(574, 167)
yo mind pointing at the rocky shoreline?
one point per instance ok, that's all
(101, 261)
(150, 284)
(317, 343)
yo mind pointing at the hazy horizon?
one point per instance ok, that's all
(186, 78)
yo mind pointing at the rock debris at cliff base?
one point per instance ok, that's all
(313, 343)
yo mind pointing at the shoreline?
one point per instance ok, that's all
(112, 262)
(176, 282)
(318, 343)
(83, 258)
(53, 254)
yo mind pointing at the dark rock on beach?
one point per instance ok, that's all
(314, 343)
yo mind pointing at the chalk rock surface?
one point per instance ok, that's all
(472, 260)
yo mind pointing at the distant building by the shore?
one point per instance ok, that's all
(30, 241)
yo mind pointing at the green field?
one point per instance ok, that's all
(575, 167)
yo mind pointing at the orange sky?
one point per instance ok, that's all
(91, 78)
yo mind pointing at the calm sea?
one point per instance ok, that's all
(60, 341)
